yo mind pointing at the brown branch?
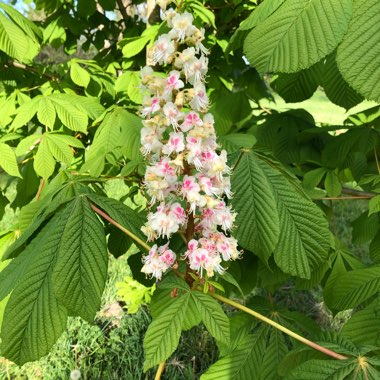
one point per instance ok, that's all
(31, 69)
(122, 10)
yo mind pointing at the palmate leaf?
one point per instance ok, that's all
(33, 319)
(257, 217)
(81, 268)
(358, 56)
(162, 336)
(297, 35)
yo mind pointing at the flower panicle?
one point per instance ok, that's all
(187, 179)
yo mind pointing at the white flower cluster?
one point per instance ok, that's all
(186, 179)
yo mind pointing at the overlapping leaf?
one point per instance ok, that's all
(297, 35)
(358, 55)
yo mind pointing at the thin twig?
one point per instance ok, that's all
(120, 227)
(160, 370)
(272, 323)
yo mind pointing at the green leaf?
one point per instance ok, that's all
(28, 27)
(46, 112)
(299, 86)
(322, 370)
(374, 248)
(70, 115)
(60, 151)
(336, 88)
(365, 228)
(275, 352)
(241, 363)
(14, 271)
(25, 113)
(332, 184)
(134, 46)
(257, 217)
(81, 268)
(192, 317)
(130, 131)
(206, 15)
(27, 144)
(213, 316)
(312, 178)
(374, 205)
(353, 288)
(79, 75)
(8, 160)
(33, 319)
(358, 56)
(260, 13)
(14, 42)
(234, 141)
(44, 162)
(130, 219)
(304, 235)
(43, 215)
(162, 336)
(297, 35)
(362, 327)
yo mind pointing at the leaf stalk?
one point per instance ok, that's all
(276, 325)
(160, 370)
(120, 227)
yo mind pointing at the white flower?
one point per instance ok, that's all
(174, 144)
(200, 101)
(196, 70)
(163, 49)
(172, 113)
(182, 26)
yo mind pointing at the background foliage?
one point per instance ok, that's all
(69, 77)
